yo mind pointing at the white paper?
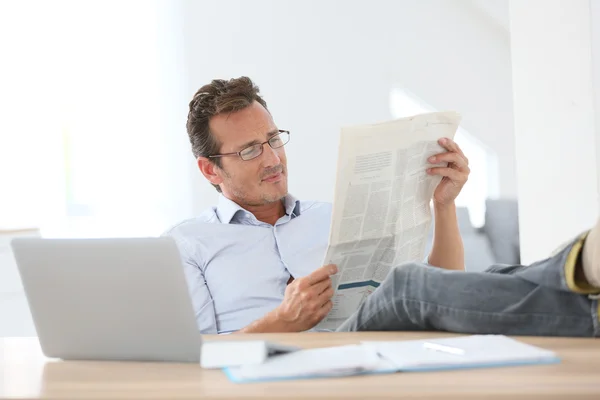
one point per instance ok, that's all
(381, 208)
(329, 361)
(219, 354)
(479, 350)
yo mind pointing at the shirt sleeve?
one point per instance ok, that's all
(198, 289)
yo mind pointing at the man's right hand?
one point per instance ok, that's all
(307, 300)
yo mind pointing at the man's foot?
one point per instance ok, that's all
(591, 256)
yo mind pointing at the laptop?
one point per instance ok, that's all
(122, 299)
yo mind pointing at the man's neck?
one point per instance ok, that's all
(268, 213)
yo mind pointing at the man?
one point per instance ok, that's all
(252, 262)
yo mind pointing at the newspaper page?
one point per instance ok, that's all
(381, 208)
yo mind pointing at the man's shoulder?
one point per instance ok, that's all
(193, 225)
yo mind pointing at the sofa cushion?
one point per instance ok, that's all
(502, 229)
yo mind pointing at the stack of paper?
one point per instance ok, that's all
(246, 352)
(476, 351)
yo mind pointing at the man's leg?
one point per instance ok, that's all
(590, 256)
(548, 298)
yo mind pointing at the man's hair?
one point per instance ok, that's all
(218, 97)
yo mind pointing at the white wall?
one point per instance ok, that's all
(110, 76)
(595, 25)
(29, 150)
(324, 64)
(556, 129)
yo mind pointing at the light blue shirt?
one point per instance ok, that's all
(237, 267)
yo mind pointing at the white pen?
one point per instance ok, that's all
(443, 348)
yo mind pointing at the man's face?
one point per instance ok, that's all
(258, 181)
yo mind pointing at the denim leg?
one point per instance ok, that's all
(420, 297)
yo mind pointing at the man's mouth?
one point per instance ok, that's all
(273, 177)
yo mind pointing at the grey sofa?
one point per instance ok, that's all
(496, 242)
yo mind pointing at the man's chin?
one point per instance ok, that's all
(272, 196)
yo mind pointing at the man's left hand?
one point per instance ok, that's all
(454, 176)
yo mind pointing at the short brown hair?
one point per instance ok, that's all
(218, 97)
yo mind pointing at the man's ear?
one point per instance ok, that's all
(209, 170)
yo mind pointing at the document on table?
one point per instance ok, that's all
(379, 357)
(381, 208)
(475, 351)
(314, 363)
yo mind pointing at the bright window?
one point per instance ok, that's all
(88, 137)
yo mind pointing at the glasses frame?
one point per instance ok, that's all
(262, 147)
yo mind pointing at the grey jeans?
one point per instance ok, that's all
(505, 299)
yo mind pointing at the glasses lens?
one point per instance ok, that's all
(251, 152)
(279, 140)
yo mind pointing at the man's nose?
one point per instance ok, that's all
(270, 155)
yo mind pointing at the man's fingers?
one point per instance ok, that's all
(449, 145)
(459, 151)
(455, 158)
(326, 308)
(452, 146)
(451, 173)
(320, 287)
(326, 295)
(321, 274)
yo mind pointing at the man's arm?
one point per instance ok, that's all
(447, 251)
(201, 298)
(306, 302)
(268, 323)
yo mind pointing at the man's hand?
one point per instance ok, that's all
(307, 300)
(455, 175)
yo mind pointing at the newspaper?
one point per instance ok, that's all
(381, 208)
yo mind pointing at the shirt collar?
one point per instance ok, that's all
(292, 206)
(227, 209)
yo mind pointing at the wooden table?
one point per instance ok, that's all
(26, 373)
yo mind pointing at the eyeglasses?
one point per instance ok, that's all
(276, 141)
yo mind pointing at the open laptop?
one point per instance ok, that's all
(109, 299)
